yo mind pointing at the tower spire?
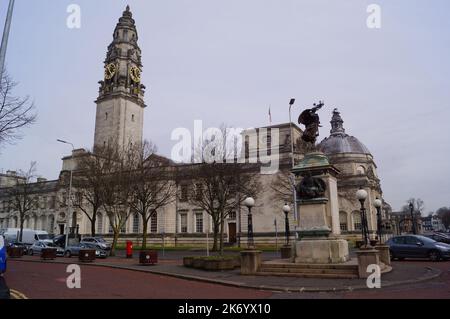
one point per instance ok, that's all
(123, 63)
(120, 103)
(337, 123)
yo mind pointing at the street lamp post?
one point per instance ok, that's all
(411, 209)
(291, 104)
(286, 211)
(69, 205)
(250, 202)
(361, 195)
(378, 203)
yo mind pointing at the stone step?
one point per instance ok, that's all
(308, 275)
(309, 266)
(310, 271)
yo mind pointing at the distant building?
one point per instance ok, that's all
(432, 223)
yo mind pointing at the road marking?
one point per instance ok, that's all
(17, 295)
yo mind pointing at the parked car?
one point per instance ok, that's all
(97, 241)
(415, 246)
(3, 255)
(439, 237)
(60, 240)
(75, 250)
(39, 245)
(18, 245)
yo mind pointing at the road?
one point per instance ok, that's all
(48, 281)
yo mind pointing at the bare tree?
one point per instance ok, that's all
(115, 189)
(152, 185)
(444, 214)
(220, 184)
(418, 206)
(15, 113)
(22, 195)
(283, 188)
(88, 182)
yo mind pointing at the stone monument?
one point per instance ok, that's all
(319, 229)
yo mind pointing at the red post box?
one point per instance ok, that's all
(129, 249)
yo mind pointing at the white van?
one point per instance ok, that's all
(11, 234)
(29, 236)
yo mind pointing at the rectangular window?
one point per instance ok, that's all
(232, 215)
(198, 191)
(154, 224)
(136, 220)
(344, 227)
(100, 224)
(199, 222)
(183, 223)
(184, 193)
(52, 202)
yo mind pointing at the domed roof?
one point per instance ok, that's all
(339, 142)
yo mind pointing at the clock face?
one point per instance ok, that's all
(135, 74)
(110, 71)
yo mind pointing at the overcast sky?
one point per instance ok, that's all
(226, 61)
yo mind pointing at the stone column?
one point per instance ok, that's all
(250, 262)
(385, 256)
(367, 257)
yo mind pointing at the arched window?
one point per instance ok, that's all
(361, 170)
(136, 223)
(343, 221)
(100, 223)
(51, 224)
(356, 216)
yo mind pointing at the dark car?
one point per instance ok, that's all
(415, 246)
(60, 240)
(75, 250)
(18, 245)
(440, 237)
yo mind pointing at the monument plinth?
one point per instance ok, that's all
(319, 229)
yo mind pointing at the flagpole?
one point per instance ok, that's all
(6, 36)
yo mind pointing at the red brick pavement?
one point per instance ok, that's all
(48, 281)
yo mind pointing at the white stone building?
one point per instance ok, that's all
(120, 118)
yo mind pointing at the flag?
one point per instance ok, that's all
(270, 115)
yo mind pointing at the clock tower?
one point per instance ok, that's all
(120, 104)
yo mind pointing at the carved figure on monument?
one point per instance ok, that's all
(311, 120)
(311, 187)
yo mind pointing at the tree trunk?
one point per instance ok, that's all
(22, 221)
(222, 222)
(216, 235)
(94, 219)
(144, 232)
(115, 240)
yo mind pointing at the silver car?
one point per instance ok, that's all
(75, 250)
(99, 242)
(37, 247)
